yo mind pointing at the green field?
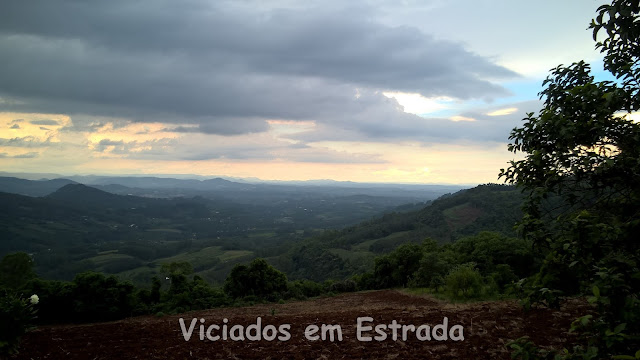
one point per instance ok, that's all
(175, 231)
(212, 263)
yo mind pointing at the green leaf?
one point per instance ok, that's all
(585, 320)
(619, 328)
(596, 291)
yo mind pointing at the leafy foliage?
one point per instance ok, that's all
(621, 46)
(397, 268)
(15, 270)
(101, 297)
(258, 279)
(581, 175)
(479, 265)
(464, 281)
(450, 218)
(17, 316)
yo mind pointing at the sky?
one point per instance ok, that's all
(366, 90)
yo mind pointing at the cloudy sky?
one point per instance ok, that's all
(419, 91)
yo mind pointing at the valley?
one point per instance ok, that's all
(130, 226)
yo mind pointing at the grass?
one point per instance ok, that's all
(201, 259)
(234, 254)
(351, 255)
(175, 231)
(108, 252)
(105, 259)
(264, 234)
(461, 215)
(364, 246)
(140, 275)
(213, 263)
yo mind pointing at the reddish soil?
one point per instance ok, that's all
(487, 328)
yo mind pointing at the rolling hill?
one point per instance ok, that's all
(78, 227)
(338, 253)
(31, 187)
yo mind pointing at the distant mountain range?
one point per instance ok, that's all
(95, 179)
(237, 191)
(32, 187)
(129, 225)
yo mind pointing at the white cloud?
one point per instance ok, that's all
(503, 112)
(417, 104)
(461, 118)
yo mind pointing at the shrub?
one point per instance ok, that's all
(503, 276)
(365, 281)
(343, 286)
(16, 270)
(258, 279)
(303, 289)
(56, 300)
(16, 318)
(101, 298)
(432, 265)
(437, 282)
(464, 281)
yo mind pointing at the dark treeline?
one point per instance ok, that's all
(483, 265)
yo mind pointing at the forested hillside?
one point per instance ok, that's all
(78, 228)
(340, 253)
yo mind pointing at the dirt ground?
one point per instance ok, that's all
(486, 328)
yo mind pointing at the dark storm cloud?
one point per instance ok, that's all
(118, 146)
(228, 126)
(29, 155)
(84, 123)
(27, 142)
(109, 142)
(266, 153)
(44, 122)
(255, 150)
(15, 126)
(222, 67)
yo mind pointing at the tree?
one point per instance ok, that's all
(15, 270)
(97, 297)
(489, 249)
(258, 279)
(396, 268)
(464, 281)
(581, 177)
(177, 273)
(432, 265)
